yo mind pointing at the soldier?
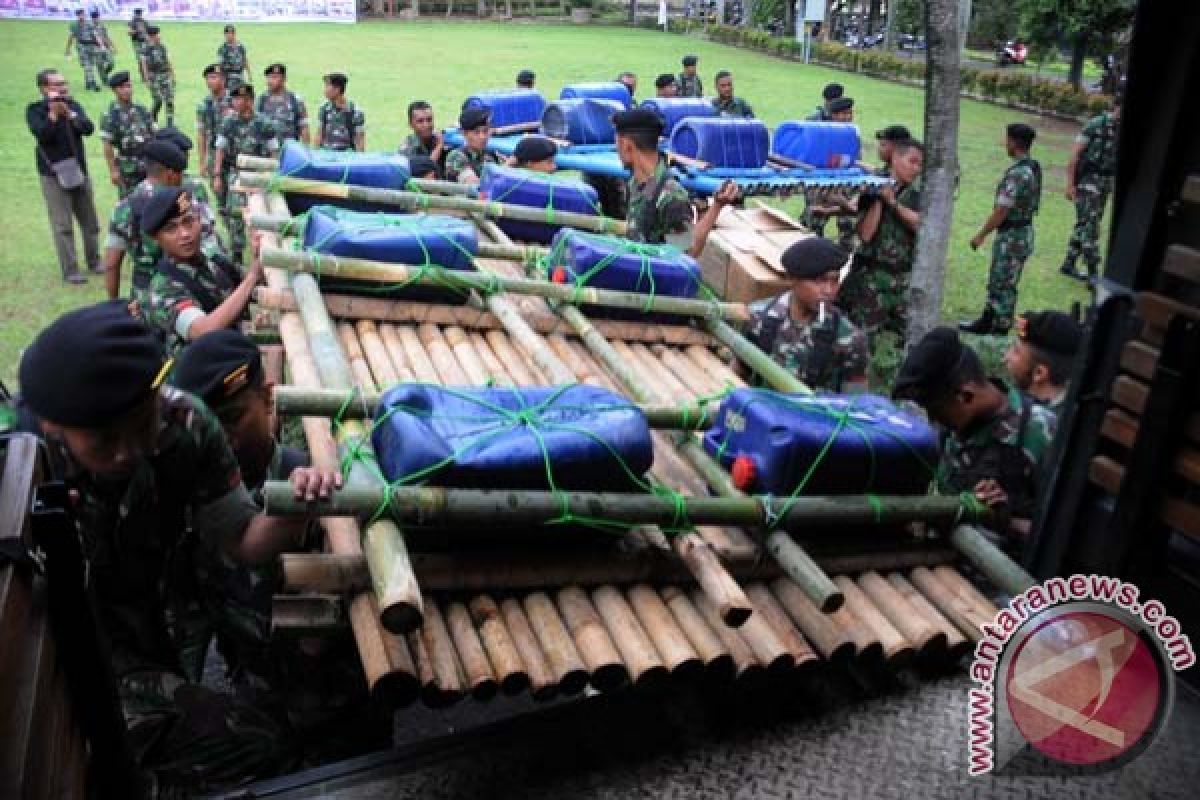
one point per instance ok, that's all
(148, 468)
(242, 133)
(725, 103)
(210, 113)
(126, 126)
(190, 293)
(283, 106)
(535, 153)
(885, 143)
(423, 167)
(831, 92)
(82, 34)
(525, 79)
(665, 86)
(690, 84)
(166, 165)
(1089, 182)
(106, 51)
(425, 139)
(802, 329)
(1042, 356)
(465, 164)
(231, 55)
(822, 204)
(340, 126)
(875, 293)
(629, 81)
(138, 33)
(1017, 199)
(659, 209)
(158, 73)
(995, 436)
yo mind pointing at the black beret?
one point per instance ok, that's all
(163, 151)
(690, 61)
(638, 119)
(472, 118)
(118, 78)
(1021, 133)
(894, 133)
(95, 13)
(79, 12)
(664, 80)
(91, 365)
(840, 104)
(230, 29)
(337, 79)
(167, 203)
(1051, 330)
(137, 11)
(525, 76)
(833, 91)
(212, 69)
(275, 69)
(242, 90)
(217, 366)
(534, 148)
(152, 29)
(419, 166)
(175, 137)
(812, 257)
(929, 363)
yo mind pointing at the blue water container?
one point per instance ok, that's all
(826, 145)
(524, 187)
(674, 109)
(853, 444)
(581, 121)
(606, 90)
(377, 170)
(419, 239)
(611, 262)
(509, 106)
(587, 437)
(723, 142)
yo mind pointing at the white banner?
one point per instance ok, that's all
(189, 10)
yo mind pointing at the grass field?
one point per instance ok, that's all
(390, 64)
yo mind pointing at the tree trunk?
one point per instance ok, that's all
(889, 35)
(633, 11)
(1078, 56)
(941, 166)
(873, 17)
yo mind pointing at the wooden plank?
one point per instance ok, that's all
(1156, 310)
(1176, 512)
(1106, 473)
(1122, 428)
(1183, 262)
(1130, 394)
(1139, 358)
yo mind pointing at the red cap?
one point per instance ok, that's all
(744, 473)
(559, 275)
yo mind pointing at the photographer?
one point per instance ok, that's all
(58, 124)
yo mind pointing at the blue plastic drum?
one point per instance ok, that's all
(509, 106)
(581, 121)
(613, 90)
(826, 145)
(550, 193)
(722, 142)
(675, 109)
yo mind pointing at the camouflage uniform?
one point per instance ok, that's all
(286, 110)
(232, 60)
(690, 86)
(1006, 449)
(210, 113)
(816, 221)
(87, 47)
(125, 234)
(875, 292)
(240, 136)
(828, 356)
(1020, 191)
(161, 80)
(136, 535)
(1093, 184)
(340, 126)
(138, 36)
(657, 208)
(180, 292)
(733, 107)
(104, 52)
(127, 128)
(460, 159)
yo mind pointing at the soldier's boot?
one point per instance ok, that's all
(1068, 267)
(984, 325)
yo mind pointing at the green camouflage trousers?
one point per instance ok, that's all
(133, 172)
(162, 88)
(846, 227)
(86, 54)
(103, 61)
(875, 297)
(1010, 250)
(1085, 237)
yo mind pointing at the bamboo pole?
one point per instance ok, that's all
(957, 645)
(395, 349)
(990, 560)
(378, 358)
(520, 370)
(966, 590)
(491, 283)
(672, 645)
(501, 650)
(776, 376)
(415, 355)
(414, 201)
(443, 683)
(591, 639)
(542, 682)
(929, 642)
(965, 616)
(746, 664)
(646, 668)
(718, 662)
(831, 641)
(438, 349)
(866, 642)
(258, 164)
(569, 672)
(300, 615)
(704, 358)
(469, 360)
(896, 648)
(476, 668)
(772, 613)
(768, 646)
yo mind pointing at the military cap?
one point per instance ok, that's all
(526, 77)
(137, 11)
(833, 91)
(664, 80)
(167, 203)
(929, 363)
(163, 151)
(1021, 133)
(91, 365)
(534, 148)
(95, 13)
(839, 104)
(473, 118)
(894, 133)
(230, 29)
(690, 61)
(217, 366)
(812, 257)
(1050, 330)
(276, 69)
(638, 120)
(79, 12)
(118, 79)
(419, 166)
(152, 29)
(242, 90)
(175, 137)
(212, 69)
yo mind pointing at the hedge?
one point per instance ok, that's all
(991, 85)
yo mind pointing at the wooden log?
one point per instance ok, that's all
(498, 643)
(717, 660)
(673, 647)
(468, 360)
(994, 563)
(766, 606)
(930, 643)
(449, 372)
(746, 665)
(569, 672)
(414, 353)
(542, 680)
(897, 650)
(866, 642)
(398, 686)
(966, 590)
(303, 615)
(701, 561)
(378, 358)
(645, 666)
(591, 639)
(957, 645)
(449, 682)
(768, 646)
(707, 359)
(965, 616)
(476, 668)
(395, 349)
(363, 378)
(496, 371)
(832, 642)
(521, 371)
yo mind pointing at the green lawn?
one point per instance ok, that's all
(390, 64)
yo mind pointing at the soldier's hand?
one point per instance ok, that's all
(310, 483)
(991, 493)
(1070, 192)
(727, 194)
(977, 240)
(115, 176)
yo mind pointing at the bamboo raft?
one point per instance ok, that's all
(437, 622)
